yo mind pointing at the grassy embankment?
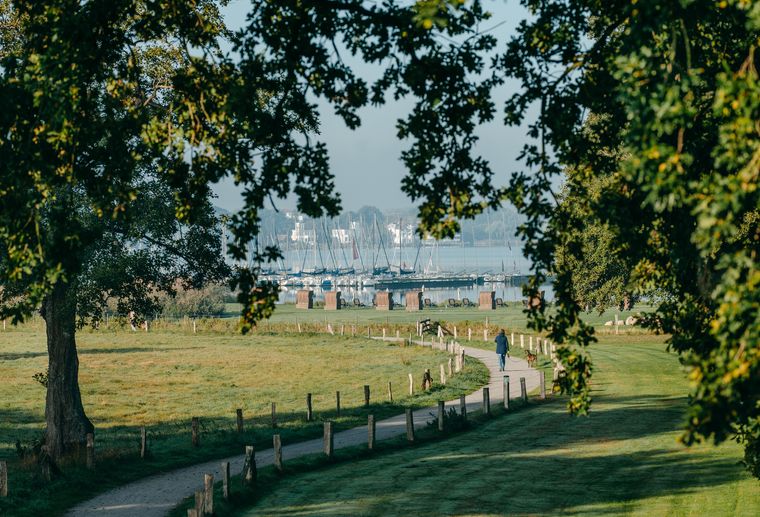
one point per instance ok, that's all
(163, 378)
(624, 459)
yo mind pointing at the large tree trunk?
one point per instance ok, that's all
(67, 425)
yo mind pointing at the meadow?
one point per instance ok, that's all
(623, 459)
(163, 378)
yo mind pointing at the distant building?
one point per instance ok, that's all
(401, 235)
(341, 235)
(301, 234)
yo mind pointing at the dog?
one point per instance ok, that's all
(532, 358)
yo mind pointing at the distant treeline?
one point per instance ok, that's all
(491, 227)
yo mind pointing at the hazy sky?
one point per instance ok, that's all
(366, 162)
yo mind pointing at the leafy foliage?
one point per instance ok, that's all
(591, 254)
(93, 209)
(207, 301)
(145, 84)
(673, 89)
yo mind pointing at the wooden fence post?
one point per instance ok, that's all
(199, 503)
(277, 445)
(523, 390)
(366, 395)
(411, 385)
(337, 402)
(463, 408)
(409, 425)
(469, 334)
(371, 432)
(274, 415)
(530, 341)
(226, 480)
(143, 442)
(194, 329)
(522, 341)
(485, 334)
(455, 331)
(3, 479)
(342, 330)
(390, 391)
(239, 418)
(196, 435)
(208, 494)
(512, 339)
(308, 407)
(487, 401)
(441, 410)
(506, 391)
(451, 367)
(90, 451)
(443, 375)
(249, 467)
(328, 440)
(542, 384)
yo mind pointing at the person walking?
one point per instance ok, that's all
(502, 349)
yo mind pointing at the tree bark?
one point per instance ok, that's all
(67, 424)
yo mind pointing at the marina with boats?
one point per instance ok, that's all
(360, 258)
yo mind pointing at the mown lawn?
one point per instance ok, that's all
(162, 379)
(624, 459)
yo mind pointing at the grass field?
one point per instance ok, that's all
(161, 379)
(511, 316)
(622, 460)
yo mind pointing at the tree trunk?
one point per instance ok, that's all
(67, 425)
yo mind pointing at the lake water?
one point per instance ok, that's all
(453, 259)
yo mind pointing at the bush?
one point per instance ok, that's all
(208, 301)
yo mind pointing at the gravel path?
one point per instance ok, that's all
(156, 495)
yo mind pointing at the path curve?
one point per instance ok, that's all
(156, 495)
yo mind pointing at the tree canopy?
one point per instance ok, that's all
(117, 117)
(672, 89)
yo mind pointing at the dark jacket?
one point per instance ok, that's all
(502, 345)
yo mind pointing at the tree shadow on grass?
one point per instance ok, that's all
(132, 350)
(14, 356)
(611, 418)
(540, 464)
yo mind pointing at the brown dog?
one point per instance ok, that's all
(532, 358)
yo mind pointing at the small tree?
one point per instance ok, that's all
(592, 253)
